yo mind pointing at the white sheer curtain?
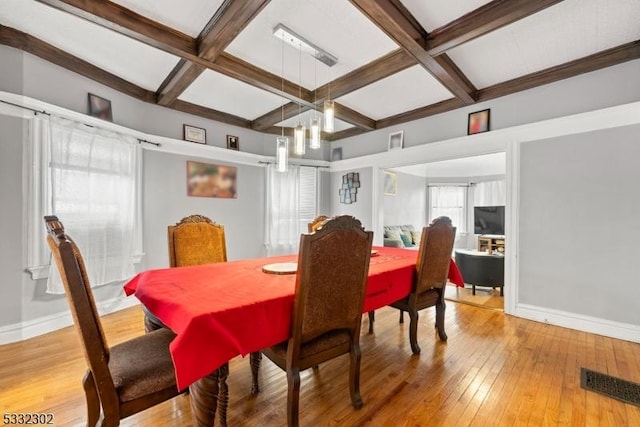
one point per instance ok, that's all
(282, 227)
(490, 193)
(449, 200)
(90, 179)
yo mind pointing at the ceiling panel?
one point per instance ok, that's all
(306, 117)
(403, 91)
(222, 93)
(432, 14)
(187, 16)
(567, 31)
(136, 62)
(333, 25)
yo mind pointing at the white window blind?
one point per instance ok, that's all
(308, 196)
(450, 201)
(291, 204)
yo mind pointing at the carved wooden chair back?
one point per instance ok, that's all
(196, 240)
(73, 273)
(317, 222)
(332, 273)
(434, 256)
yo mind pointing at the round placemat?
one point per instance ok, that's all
(280, 268)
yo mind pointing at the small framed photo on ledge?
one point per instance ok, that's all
(194, 134)
(396, 140)
(479, 122)
(233, 143)
(100, 107)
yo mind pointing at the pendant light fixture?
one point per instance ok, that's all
(282, 142)
(329, 110)
(314, 128)
(300, 131)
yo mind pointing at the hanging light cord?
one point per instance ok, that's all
(299, 81)
(282, 90)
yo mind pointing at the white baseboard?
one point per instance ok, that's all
(580, 322)
(42, 325)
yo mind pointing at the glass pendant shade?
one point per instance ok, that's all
(329, 113)
(282, 153)
(299, 136)
(314, 143)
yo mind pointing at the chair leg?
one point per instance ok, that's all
(473, 289)
(501, 291)
(93, 400)
(223, 393)
(413, 331)
(401, 317)
(293, 396)
(354, 376)
(255, 360)
(372, 318)
(440, 309)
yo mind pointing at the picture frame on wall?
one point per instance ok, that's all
(100, 107)
(194, 134)
(233, 143)
(336, 154)
(210, 180)
(390, 183)
(479, 122)
(396, 140)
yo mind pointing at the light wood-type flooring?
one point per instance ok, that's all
(495, 370)
(484, 297)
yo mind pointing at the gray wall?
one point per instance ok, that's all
(578, 225)
(599, 89)
(363, 207)
(166, 202)
(11, 66)
(409, 205)
(11, 244)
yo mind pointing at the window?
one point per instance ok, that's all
(449, 200)
(291, 204)
(308, 196)
(89, 178)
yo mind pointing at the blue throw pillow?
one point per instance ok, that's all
(406, 240)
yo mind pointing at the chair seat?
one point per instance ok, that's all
(326, 342)
(143, 365)
(426, 299)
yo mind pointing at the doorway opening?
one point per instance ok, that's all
(472, 192)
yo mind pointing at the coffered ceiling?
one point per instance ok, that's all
(398, 60)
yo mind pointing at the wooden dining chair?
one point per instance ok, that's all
(195, 240)
(432, 270)
(317, 222)
(333, 264)
(121, 380)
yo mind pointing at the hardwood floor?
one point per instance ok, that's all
(484, 297)
(495, 370)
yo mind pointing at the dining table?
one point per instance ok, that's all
(223, 310)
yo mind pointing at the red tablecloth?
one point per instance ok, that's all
(219, 311)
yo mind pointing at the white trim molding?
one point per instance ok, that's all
(579, 322)
(167, 145)
(42, 325)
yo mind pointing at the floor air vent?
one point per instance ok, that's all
(625, 391)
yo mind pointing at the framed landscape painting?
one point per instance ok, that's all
(207, 180)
